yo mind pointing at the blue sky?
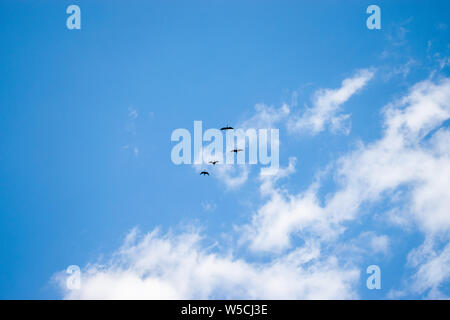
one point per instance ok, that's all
(86, 118)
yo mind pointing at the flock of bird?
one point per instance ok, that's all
(214, 162)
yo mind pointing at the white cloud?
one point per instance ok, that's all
(233, 176)
(401, 157)
(179, 267)
(379, 244)
(367, 246)
(326, 106)
(433, 268)
(283, 214)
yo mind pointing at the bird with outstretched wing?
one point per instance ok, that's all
(227, 127)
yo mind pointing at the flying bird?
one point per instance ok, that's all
(236, 150)
(214, 162)
(204, 173)
(226, 128)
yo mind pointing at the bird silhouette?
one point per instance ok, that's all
(226, 128)
(236, 150)
(214, 162)
(204, 173)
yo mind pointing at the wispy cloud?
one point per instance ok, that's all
(157, 266)
(433, 268)
(326, 106)
(209, 206)
(402, 70)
